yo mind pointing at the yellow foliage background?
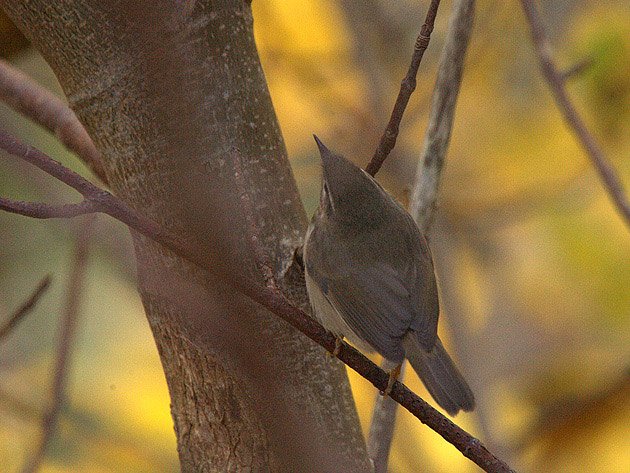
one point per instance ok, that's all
(533, 260)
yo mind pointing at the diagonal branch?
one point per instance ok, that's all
(99, 199)
(577, 68)
(25, 308)
(42, 210)
(67, 332)
(27, 97)
(267, 296)
(556, 81)
(408, 85)
(438, 134)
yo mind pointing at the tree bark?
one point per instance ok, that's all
(166, 91)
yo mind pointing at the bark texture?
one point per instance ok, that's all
(166, 90)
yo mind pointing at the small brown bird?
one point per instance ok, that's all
(370, 278)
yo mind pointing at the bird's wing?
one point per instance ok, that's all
(420, 278)
(375, 304)
(378, 301)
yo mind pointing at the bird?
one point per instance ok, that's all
(370, 279)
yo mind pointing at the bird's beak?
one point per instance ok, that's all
(322, 147)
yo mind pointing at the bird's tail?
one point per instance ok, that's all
(439, 374)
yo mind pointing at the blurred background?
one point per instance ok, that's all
(533, 261)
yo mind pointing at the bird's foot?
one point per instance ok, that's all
(393, 376)
(337, 349)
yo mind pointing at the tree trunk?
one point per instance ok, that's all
(167, 90)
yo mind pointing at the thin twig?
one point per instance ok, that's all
(408, 85)
(425, 191)
(268, 297)
(42, 210)
(32, 100)
(67, 332)
(577, 68)
(438, 134)
(25, 308)
(95, 198)
(555, 79)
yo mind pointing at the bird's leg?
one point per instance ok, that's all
(393, 376)
(338, 345)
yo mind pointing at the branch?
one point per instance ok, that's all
(95, 199)
(41, 210)
(577, 68)
(424, 196)
(267, 296)
(556, 81)
(408, 85)
(438, 134)
(382, 425)
(32, 100)
(25, 308)
(66, 340)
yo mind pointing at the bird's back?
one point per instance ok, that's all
(381, 288)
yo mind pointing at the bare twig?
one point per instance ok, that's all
(41, 210)
(577, 68)
(95, 199)
(438, 134)
(268, 297)
(67, 331)
(42, 106)
(25, 308)
(408, 85)
(556, 82)
(425, 190)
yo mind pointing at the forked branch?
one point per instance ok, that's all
(267, 296)
(46, 109)
(556, 81)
